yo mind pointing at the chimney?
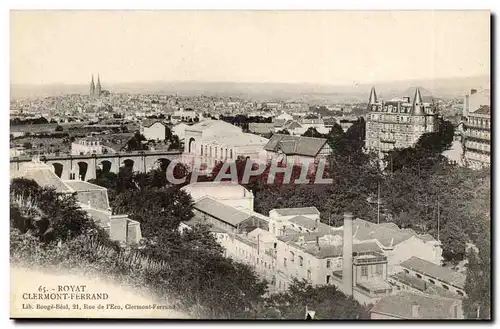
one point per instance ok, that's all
(415, 311)
(317, 243)
(473, 91)
(347, 254)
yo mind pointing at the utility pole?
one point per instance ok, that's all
(378, 203)
(438, 218)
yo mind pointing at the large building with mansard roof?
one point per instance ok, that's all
(399, 122)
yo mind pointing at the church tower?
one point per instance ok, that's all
(92, 87)
(98, 87)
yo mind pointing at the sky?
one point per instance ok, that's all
(316, 47)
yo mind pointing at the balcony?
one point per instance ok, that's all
(369, 257)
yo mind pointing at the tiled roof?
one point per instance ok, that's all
(299, 145)
(484, 109)
(423, 286)
(386, 234)
(304, 222)
(438, 272)
(400, 305)
(221, 211)
(328, 248)
(297, 211)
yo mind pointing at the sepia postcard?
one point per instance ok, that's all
(240, 165)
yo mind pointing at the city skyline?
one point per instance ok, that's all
(328, 48)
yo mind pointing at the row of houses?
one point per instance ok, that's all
(375, 263)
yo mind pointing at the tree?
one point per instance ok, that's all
(59, 128)
(48, 215)
(283, 132)
(327, 301)
(312, 132)
(356, 135)
(157, 209)
(337, 140)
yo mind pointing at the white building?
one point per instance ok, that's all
(180, 130)
(87, 145)
(293, 243)
(185, 115)
(212, 141)
(153, 129)
(231, 194)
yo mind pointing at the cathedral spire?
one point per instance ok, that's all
(373, 96)
(92, 86)
(98, 86)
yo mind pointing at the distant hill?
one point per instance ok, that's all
(443, 88)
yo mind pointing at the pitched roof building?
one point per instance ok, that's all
(93, 199)
(412, 306)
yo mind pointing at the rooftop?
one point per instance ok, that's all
(401, 305)
(297, 211)
(308, 146)
(43, 175)
(221, 211)
(438, 272)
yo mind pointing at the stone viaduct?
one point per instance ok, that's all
(84, 167)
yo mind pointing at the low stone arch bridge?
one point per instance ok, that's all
(85, 166)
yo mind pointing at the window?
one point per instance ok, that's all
(432, 281)
(379, 269)
(364, 270)
(446, 287)
(301, 261)
(230, 154)
(284, 262)
(210, 154)
(327, 279)
(292, 256)
(407, 272)
(455, 311)
(418, 276)
(460, 293)
(202, 150)
(309, 274)
(328, 263)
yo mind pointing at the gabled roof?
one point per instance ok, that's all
(438, 272)
(388, 235)
(401, 304)
(222, 212)
(299, 145)
(297, 211)
(484, 109)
